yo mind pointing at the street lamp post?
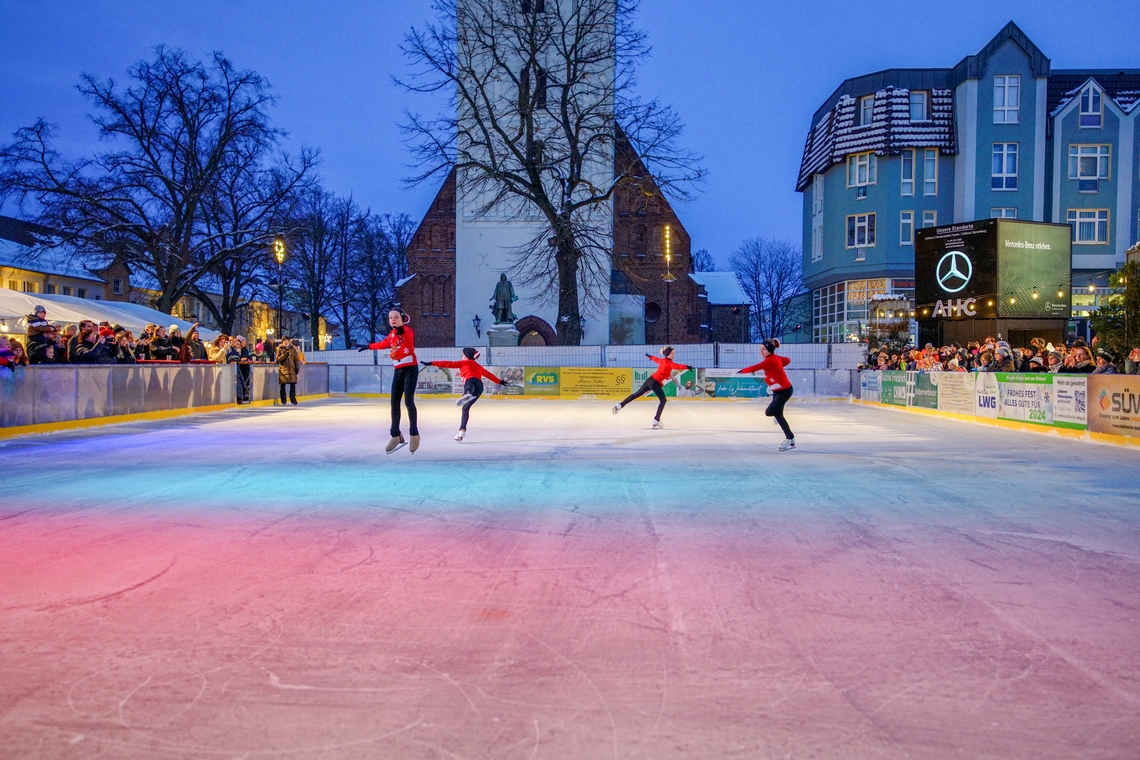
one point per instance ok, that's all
(669, 280)
(279, 255)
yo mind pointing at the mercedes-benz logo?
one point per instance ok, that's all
(954, 271)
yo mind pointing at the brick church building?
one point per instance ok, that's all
(676, 312)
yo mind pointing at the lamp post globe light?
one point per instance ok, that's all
(668, 278)
(279, 255)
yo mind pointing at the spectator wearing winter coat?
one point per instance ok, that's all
(1132, 363)
(160, 347)
(1105, 363)
(192, 346)
(1078, 362)
(1036, 364)
(19, 355)
(240, 355)
(288, 368)
(91, 347)
(1003, 360)
(216, 350)
(5, 355)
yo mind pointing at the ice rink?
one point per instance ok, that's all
(567, 584)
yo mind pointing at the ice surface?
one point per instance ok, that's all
(568, 584)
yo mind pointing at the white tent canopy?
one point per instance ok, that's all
(16, 306)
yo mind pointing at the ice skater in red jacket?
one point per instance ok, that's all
(401, 342)
(778, 384)
(665, 368)
(472, 373)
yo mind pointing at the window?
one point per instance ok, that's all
(918, 101)
(929, 219)
(1090, 226)
(29, 287)
(866, 110)
(534, 6)
(1004, 176)
(1088, 164)
(817, 243)
(537, 95)
(829, 308)
(98, 297)
(817, 194)
(117, 286)
(13, 285)
(1092, 108)
(1007, 99)
(81, 292)
(930, 172)
(67, 290)
(540, 88)
(1003, 213)
(906, 228)
(49, 290)
(861, 171)
(908, 172)
(861, 231)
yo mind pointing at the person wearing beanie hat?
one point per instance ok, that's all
(778, 383)
(1105, 363)
(472, 373)
(1036, 364)
(655, 382)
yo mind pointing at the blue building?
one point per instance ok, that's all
(1001, 134)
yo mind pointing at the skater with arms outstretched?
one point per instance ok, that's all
(778, 384)
(472, 373)
(401, 342)
(665, 367)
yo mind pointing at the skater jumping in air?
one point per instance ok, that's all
(402, 344)
(778, 383)
(665, 368)
(472, 373)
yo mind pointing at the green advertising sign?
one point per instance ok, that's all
(925, 393)
(542, 381)
(893, 388)
(1034, 265)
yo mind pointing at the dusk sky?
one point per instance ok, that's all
(745, 76)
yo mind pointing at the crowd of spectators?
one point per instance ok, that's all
(993, 355)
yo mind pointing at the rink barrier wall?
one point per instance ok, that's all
(41, 399)
(614, 383)
(712, 355)
(1100, 408)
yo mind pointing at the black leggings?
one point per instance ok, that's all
(404, 386)
(291, 389)
(473, 387)
(776, 409)
(650, 384)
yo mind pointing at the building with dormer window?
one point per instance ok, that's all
(999, 135)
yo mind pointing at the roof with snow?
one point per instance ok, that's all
(723, 288)
(1122, 86)
(15, 306)
(836, 133)
(61, 261)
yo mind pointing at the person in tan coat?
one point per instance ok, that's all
(288, 367)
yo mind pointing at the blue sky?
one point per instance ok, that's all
(745, 76)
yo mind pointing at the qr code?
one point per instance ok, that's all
(1079, 401)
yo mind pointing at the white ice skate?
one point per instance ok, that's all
(617, 408)
(459, 436)
(789, 443)
(657, 425)
(464, 399)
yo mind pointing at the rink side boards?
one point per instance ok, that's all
(1100, 408)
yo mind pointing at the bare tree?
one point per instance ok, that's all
(383, 265)
(174, 131)
(703, 261)
(540, 93)
(349, 230)
(771, 272)
(314, 240)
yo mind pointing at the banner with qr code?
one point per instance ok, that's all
(1070, 401)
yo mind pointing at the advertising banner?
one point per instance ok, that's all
(599, 382)
(923, 393)
(1114, 404)
(892, 387)
(433, 380)
(986, 395)
(725, 383)
(955, 270)
(687, 384)
(1025, 397)
(542, 381)
(1033, 262)
(869, 386)
(511, 375)
(955, 391)
(1070, 401)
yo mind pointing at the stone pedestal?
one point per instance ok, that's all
(502, 334)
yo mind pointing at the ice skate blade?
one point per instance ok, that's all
(398, 447)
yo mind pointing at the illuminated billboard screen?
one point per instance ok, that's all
(1034, 267)
(955, 270)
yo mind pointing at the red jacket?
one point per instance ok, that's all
(468, 368)
(665, 368)
(403, 347)
(774, 373)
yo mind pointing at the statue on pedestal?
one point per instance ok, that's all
(502, 300)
